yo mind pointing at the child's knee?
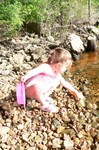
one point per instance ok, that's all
(41, 98)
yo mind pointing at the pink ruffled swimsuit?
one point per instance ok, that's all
(44, 81)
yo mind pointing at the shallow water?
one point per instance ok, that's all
(88, 68)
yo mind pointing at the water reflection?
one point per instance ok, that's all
(88, 67)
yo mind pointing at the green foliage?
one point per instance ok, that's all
(13, 13)
(11, 16)
(32, 10)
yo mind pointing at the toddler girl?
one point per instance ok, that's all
(41, 81)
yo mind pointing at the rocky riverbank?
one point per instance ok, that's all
(75, 127)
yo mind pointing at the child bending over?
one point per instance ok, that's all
(41, 81)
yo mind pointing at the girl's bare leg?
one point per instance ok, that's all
(42, 98)
(49, 100)
(46, 103)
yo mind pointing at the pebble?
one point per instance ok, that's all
(57, 143)
(68, 143)
(60, 129)
(4, 130)
(20, 126)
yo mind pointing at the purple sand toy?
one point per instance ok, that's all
(20, 87)
(20, 94)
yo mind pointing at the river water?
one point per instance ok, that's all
(88, 68)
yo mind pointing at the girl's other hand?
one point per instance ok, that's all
(23, 79)
(80, 96)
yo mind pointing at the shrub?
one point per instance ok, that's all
(11, 16)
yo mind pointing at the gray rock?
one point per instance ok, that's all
(4, 130)
(76, 43)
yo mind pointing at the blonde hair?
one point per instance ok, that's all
(60, 55)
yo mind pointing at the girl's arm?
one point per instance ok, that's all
(72, 90)
(42, 68)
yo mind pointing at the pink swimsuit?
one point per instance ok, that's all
(45, 82)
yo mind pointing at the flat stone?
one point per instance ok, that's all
(4, 130)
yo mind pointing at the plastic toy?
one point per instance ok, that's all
(20, 94)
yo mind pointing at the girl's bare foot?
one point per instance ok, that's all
(49, 108)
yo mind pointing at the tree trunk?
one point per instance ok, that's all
(61, 13)
(89, 10)
(91, 44)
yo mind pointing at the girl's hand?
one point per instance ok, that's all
(77, 95)
(80, 96)
(23, 79)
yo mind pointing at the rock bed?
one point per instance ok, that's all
(74, 127)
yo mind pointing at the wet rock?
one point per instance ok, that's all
(91, 44)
